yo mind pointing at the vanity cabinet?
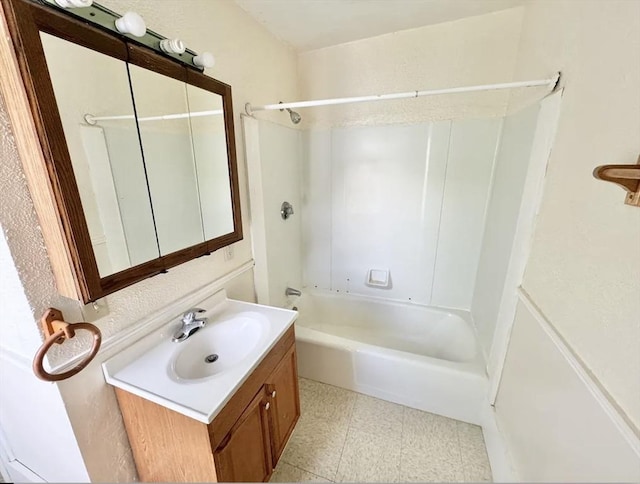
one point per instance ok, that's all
(282, 389)
(243, 442)
(245, 454)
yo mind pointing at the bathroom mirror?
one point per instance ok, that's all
(139, 147)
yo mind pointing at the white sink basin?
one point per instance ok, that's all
(217, 347)
(176, 375)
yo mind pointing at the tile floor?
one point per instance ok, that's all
(343, 436)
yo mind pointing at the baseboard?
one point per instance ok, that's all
(502, 468)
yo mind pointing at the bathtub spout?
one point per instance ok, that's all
(289, 291)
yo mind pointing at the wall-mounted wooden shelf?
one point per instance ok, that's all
(626, 176)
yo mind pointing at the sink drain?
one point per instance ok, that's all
(210, 358)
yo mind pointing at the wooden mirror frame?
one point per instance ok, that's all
(70, 250)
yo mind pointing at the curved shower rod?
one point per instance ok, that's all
(552, 83)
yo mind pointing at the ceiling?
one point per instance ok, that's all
(313, 24)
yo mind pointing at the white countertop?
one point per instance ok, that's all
(144, 367)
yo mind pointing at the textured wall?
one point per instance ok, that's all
(584, 268)
(553, 420)
(476, 50)
(260, 69)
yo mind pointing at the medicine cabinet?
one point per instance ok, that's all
(138, 152)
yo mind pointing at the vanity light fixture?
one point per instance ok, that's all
(130, 23)
(172, 46)
(206, 59)
(72, 3)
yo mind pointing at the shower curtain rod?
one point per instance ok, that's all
(403, 95)
(91, 119)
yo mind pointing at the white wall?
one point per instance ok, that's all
(472, 149)
(583, 269)
(398, 198)
(582, 275)
(377, 195)
(475, 50)
(262, 70)
(557, 424)
(316, 208)
(281, 164)
(24, 416)
(465, 52)
(510, 171)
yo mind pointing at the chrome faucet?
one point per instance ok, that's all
(190, 324)
(290, 291)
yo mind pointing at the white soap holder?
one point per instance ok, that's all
(378, 278)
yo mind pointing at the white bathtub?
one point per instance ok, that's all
(413, 355)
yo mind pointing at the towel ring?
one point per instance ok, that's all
(58, 331)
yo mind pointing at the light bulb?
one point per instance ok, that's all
(72, 3)
(131, 23)
(206, 59)
(172, 46)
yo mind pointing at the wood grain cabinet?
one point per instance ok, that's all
(282, 389)
(245, 454)
(243, 442)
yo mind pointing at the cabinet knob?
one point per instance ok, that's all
(267, 405)
(273, 394)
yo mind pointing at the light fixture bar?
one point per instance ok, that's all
(551, 83)
(104, 18)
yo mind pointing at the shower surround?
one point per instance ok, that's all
(430, 209)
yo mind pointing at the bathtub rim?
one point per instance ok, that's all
(464, 314)
(474, 365)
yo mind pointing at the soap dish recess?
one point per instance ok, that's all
(378, 278)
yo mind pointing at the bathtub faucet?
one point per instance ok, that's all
(290, 291)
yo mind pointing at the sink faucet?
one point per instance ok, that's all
(190, 324)
(290, 291)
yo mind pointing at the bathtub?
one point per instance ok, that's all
(414, 355)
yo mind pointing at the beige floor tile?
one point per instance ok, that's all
(348, 437)
(288, 473)
(326, 401)
(316, 445)
(377, 416)
(419, 423)
(369, 458)
(430, 449)
(475, 462)
(430, 461)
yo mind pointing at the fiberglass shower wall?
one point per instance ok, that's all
(274, 159)
(410, 199)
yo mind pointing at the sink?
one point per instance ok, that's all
(217, 347)
(198, 376)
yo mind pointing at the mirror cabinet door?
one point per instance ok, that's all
(163, 120)
(212, 162)
(106, 156)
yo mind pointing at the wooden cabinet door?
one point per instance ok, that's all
(245, 454)
(282, 391)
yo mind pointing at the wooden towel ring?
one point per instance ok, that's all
(57, 331)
